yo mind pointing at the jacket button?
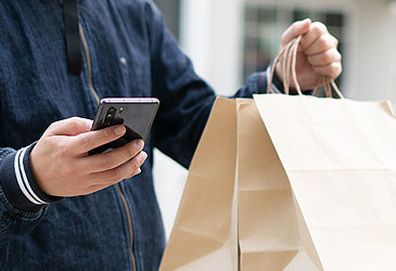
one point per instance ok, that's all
(123, 60)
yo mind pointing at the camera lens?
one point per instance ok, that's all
(110, 116)
(112, 111)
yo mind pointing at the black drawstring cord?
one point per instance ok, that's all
(72, 32)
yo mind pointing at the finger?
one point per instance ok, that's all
(113, 159)
(332, 70)
(69, 127)
(83, 143)
(120, 173)
(137, 172)
(325, 58)
(98, 187)
(296, 29)
(316, 30)
(322, 44)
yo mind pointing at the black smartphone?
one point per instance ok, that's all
(136, 114)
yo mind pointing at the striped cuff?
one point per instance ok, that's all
(18, 183)
(22, 179)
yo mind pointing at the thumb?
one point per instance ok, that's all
(69, 127)
(296, 29)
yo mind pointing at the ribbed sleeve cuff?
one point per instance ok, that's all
(18, 183)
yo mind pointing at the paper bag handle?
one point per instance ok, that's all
(287, 58)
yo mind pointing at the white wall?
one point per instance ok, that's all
(211, 36)
(375, 52)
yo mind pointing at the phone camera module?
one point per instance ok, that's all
(110, 116)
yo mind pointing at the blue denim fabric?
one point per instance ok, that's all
(91, 232)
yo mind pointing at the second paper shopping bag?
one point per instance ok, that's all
(339, 156)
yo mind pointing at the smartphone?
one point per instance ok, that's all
(136, 114)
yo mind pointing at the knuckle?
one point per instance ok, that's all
(316, 30)
(73, 124)
(322, 42)
(339, 70)
(53, 127)
(320, 27)
(335, 68)
(327, 57)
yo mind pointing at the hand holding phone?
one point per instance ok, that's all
(136, 114)
(62, 168)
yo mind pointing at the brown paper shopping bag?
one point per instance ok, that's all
(204, 236)
(235, 168)
(290, 183)
(269, 235)
(237, 197)
(339, 156)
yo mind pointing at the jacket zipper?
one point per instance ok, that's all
(117, 187)
(89, 66)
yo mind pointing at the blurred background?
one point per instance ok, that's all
(229, 39)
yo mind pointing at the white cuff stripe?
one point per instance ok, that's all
(19, 179)
(26, 180)
(22, 180)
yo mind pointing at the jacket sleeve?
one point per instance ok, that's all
(22, 203)
(186, 99)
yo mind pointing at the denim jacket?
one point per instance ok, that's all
(128, 52)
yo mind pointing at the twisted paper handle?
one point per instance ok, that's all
(287, 58)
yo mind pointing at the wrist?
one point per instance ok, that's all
(18, 183)
(37, 179)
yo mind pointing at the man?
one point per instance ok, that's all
(61, 209)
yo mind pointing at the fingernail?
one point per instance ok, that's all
(139, 144)
(138, 171)
(143, 156)
(119, 130)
